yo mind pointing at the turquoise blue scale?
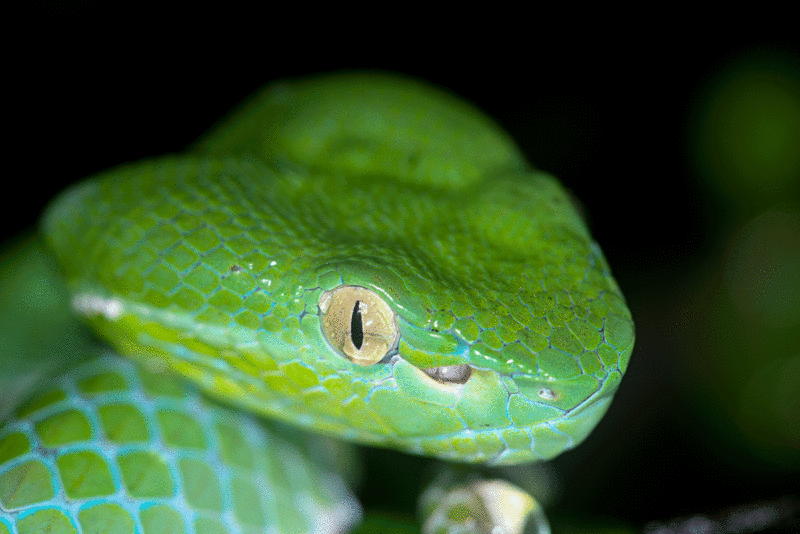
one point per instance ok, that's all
(150, 456)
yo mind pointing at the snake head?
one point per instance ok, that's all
(501, 339)
(473, 320)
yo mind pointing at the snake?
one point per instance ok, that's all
(361, 257)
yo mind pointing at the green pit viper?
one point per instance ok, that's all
(358, 255)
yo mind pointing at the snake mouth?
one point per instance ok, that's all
(450, 374)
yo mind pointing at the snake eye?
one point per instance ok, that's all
(358, 324)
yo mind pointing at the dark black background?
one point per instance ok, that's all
(605, 107)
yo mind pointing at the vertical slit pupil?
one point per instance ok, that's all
(356, 327)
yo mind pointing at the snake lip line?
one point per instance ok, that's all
(89, 305)
(111, 308)
(448, 375)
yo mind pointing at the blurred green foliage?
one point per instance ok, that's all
(746, 134)
(746, 148)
